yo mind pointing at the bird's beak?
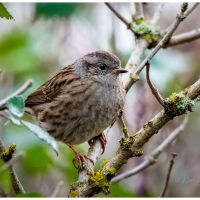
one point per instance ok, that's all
(119, 71)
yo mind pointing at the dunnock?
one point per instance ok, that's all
(80, 101)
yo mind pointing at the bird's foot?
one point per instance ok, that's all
(80, 159)
(102, 139)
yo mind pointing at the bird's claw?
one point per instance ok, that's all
(102, 138)
(80, 161)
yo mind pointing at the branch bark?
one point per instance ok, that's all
(184, 37)
(152, 158)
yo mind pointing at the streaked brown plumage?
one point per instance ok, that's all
(79, 102)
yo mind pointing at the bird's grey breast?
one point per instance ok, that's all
(97, 113)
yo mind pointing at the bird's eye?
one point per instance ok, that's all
(102, 66)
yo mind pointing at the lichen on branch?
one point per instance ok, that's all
(145, 30)
(8, 153)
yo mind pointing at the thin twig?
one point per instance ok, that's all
(184, 37)
(157, 13)
(21, 90)
(10, 163)
(183, 15)
(137, 10)
(154, 90)
(188, 11)
(152, 158)
(123, 124)
(57, 189)
(17, 186)
(117, 14)
(168, 174)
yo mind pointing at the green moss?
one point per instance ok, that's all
(178, 103)
(74, 189)
(105, 162)
(73, 193)
(144, 29)
(99, 180)
(112, 171)
(125, 130)
(8, 153)
(127, 145)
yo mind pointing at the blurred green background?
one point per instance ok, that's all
(43, 38)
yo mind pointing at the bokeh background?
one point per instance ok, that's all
(44, 37)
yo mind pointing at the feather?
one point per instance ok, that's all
(48, 91)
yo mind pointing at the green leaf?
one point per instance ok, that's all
(16, 106)
(41, 134)
(13, 119)
(37, 159)
(4, 12)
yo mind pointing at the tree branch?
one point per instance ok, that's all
(152, 158)
(157, 14)
(17, 186)
(21, 90)
(120, 17)
(184, 37)
(152, 127)
(10, 163)
(168, 175)
(154, 90)
(137, 10)
(180, 17)
(131, 146)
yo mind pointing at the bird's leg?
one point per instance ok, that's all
(80, 157)
(102, 139)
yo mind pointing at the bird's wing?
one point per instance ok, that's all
(52, 88)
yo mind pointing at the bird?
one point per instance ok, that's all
(80, 101)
